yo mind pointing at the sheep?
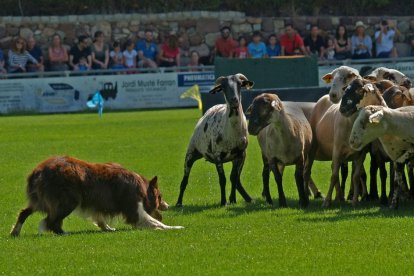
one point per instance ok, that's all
(383, 73)
(307, 108)
(285, 136)
(393, 127)
(220, 136)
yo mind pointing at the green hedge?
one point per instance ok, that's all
(250, 7)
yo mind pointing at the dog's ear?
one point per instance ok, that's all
(154, 182)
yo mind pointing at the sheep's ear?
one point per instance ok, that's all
(407, 94)
(371, 78)
(369, 87)
(247, 84)
(351, 75)
(216, 89)
(249, 110)
(277, 105)
(376, 117)
(327, 78)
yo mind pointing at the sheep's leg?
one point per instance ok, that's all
(309, 183)
(344, 175)
(363, 181)
(357, 167)
(23, 215)
(392, 181)
(265, 180)
(383, 177)
(374, 166)
(334, 182)
(406, 190)
(222, 180)
(411, 178)
(190, 158)
(278, 179)
(398, 182)
(235, 179)
(303, 197)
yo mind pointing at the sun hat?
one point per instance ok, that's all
(360, 24)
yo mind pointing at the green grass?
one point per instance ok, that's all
(238, 239)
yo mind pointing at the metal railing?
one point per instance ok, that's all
(349, 62)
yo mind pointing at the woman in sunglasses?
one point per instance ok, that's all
(19, 56)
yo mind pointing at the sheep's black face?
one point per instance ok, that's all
(352, 97)
(260, 113)
(231, 88)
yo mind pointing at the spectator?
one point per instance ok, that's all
(273, 48)
(225, 45)
(412, 46)
(58, 55)
(256, 48)
(18, 56)
(2, 63)
(330, 49)
(170, 53)
(342, 43)
(37, 53)
(291, 43)
(314, 43)
(241, 51)
(80, 58)
(384, 39)
(130, 55)
(117, 57)
(100, 52)
(361, 43)
(194, 64)
(147, 51)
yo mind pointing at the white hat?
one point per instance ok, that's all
(360, 24)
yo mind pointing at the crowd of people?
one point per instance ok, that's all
(25, 55)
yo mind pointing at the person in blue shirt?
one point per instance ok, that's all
(147, 51)
(273, 48)
(256, 48)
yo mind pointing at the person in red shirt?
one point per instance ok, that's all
(170, 53)
(241, 51)
(291, 42)
(225, 45)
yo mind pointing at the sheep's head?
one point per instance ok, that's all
(231, 87)
(340, 78)
(261, 111)
(364, 130)
(398, 96)
(383, 73)
(359, 93)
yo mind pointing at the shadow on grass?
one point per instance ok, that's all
(81, 232)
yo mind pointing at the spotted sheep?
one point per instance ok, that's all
(284, 136)
(220, 136)
(393, 127)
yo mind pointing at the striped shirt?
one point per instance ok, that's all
(18, 59)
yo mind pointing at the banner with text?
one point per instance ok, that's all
(68, 94)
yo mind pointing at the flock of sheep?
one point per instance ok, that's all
(371, 114)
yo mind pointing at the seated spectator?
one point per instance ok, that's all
(170, 53)
(241, 51)
(330, 49)
(314, 44)
(100, 52)
(291, 43)
(80, 58)
(147, 51)
(130, 55)
(194, 64)
(412, 46)
(2, 63)
(37, 53)
(256, 48)
(58, 55)
(342, 43)
(224, 45)
(384, 39)
(273, 48)
(117, 57)
(361, 43)
(18, 56)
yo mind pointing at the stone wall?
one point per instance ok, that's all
(196, 30)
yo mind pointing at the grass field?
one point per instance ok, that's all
(238, 239)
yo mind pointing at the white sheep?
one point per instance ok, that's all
(220, 136)
(339, 79)
(393, 127)
(285, 136)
